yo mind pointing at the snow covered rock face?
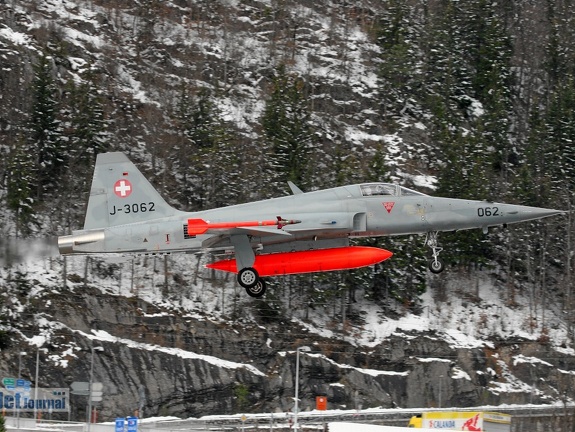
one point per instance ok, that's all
(170, 363)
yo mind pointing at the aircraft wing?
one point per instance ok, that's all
(225, 234)
(257, 231)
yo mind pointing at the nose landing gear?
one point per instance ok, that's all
(435, 264)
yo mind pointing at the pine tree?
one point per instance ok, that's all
(206, 161)
(287, 129)
(223, 163)
(448, 76)
(469, 98)
(400, 71)
(546, 175)
(45, 132)
(559, 154)
(200, 120)
(491, 52)
(21, 179)
(468, 78)
(5, 340)
(86, 123)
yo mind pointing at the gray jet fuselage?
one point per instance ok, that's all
(340, 212)
(126, 214)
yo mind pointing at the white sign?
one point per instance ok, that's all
(97, 386)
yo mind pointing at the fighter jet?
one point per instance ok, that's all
(299, 233)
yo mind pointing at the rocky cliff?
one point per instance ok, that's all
(170, 359)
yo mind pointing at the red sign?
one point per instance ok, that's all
(389, 205)
(471, 424)
(321, 403)
(123, 188)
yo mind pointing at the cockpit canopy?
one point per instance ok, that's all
(386, 189)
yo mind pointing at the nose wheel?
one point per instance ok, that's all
(436, 265)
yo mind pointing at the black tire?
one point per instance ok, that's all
(436, 266)
(258, 290)
(248, 277)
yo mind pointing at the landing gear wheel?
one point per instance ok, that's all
(258, 290)
(248, 277)
(436, 265)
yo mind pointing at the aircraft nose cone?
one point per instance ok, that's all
(525, 213)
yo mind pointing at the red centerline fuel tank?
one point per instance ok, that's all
(310, 261)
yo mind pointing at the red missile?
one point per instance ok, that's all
(309, 261)
(200, 226)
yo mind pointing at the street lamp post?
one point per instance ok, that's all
(36, 385)
(20, 354)
(296, 406)
(440, 380)
(90, 383)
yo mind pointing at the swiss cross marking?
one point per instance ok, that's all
(389, 205)
(123, 188)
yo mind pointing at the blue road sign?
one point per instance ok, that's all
(120, 423)
(132, 424)
(9, 383)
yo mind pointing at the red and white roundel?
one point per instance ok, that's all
(123, 188)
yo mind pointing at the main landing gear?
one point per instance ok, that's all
(249, 279)
(435, 264)
(248, 276)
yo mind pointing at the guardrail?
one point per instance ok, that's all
(308, 420)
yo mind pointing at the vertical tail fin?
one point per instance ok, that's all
(120, 194)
